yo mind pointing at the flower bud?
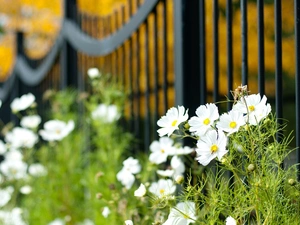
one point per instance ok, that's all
(223, 160)
(251, 167)
(98, 195)
(98, 175)
(292, 182)
(187, 126)
(179, 179)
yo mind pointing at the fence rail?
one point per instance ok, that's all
(174, 52)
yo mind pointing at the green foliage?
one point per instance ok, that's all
(250, 183)
(82, 167)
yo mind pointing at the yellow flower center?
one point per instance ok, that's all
(206, 121)
(162, 151)
(174, 123)
(251, 108)
(214, 148)
(232, 124)
(162, 191)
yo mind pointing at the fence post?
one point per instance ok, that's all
(187, 54)
(68, 60)
(15, 92)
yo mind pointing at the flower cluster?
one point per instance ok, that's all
(211, 129)
(131, 166)
(16, 151)
(212, 133)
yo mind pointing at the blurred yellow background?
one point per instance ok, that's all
(40, 20)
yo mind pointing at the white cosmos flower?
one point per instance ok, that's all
(5, 195)
(177, 168)
(13, 155)
(210, 146)
(230, 221)
(206, 116)
(22, 103)
(141, 191)
(231, 122)
(13, 169)
(3, 148)
(128, 222)
(106, 113)
(177, 165)
(162, 188)
(132, 165)
(57, 222)
(56, 130)
(166, 173)
(126, 178)
(182, 151)
(170, 122)
(26, 189)
(13, 217)
(105, 211)
(161, 149)
(93, 73)
(87, 222)
(37, 170)
(31, 121)
(183, 214)
(21, 138)
(260, 114)
(255, 108)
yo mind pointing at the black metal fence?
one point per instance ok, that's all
(171, 52)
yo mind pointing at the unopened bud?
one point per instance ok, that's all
(292, 182)
(98, 175)
(112, 187)
(179, 179)
(157, 223)
(251, 167)
(246, 127)
(99, 195)
(223, 160)
(187, 126)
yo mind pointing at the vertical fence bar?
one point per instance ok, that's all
(108, 32)
(178, 49)
(297, 78)
(116, 14)
(244, 24)
(130, 71)
(147, 94)
(115, 53)
(165, 55)
(261, 47)
(137, 95)
(111, 25)
(15, 92)
(187, 56)
(216, 49)
(203, 91)
(69, 55)
(155, 47)
(122, 49)
(229, 51)
(278, 64)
